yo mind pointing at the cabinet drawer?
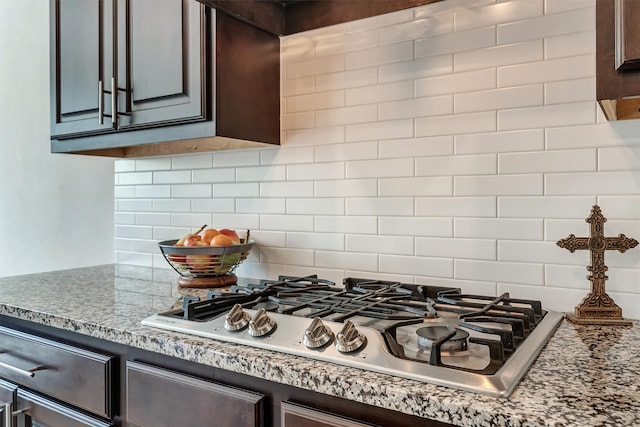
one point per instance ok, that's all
(73, 375)
(159, 397)
(294, 415)
(41, 411)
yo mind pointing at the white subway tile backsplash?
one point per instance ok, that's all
(575, 113)
(346, 188)
(421, 186)
(194, 161)
(286, 155)
(416, 29)
(592, 183)
(380, 55)
(548, 161)
(153, 164)
(326, 135)
(422, 266)
(497, 14)
(346, 115)
(499, 271)
(417, 147)
(570, 91)
(264, 205)
(498, 228)
(379, 168)
(134, 178)
(409, 70)
(395, 206)
(414, 149)
(499, 99)
(152, 191)
(398, 245)
(287, 256)
(290, 189)
(499, 185)
(379, 93)
(458, 82)
(417, 107)
(456, 248)
(236, 158)
(620, 207)
(543, 207)
(379, 130)
(455, 42)
(172, 177)
(539, 252)
(317, 171)
(456, 206)
(345, 260)
(314, 66)
(346, 79)
(570, 44)
(346, 224)
(456, 165)
(190, 190)
(592, 135)
(416, 226)
(573, 67)
(495, 142)
(352, 151)
(619, 158)
(313, 101)
(498, 56)
(213, 205)
(171, 205)
(572, 21)
(456, 124)
(316, 206)
(316, 241)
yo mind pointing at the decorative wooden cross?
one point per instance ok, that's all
(597, 307)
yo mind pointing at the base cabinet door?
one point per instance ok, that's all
(8, 393)
(293, 415)
(157, 397)
(34, 410)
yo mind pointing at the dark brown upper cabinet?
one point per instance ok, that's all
(133, 78)
(618, 58)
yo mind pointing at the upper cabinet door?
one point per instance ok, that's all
(161, 62)
(81, 38)
(145, 59)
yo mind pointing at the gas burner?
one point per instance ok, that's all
(427, 335)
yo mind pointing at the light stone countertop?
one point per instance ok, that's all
(585, 376)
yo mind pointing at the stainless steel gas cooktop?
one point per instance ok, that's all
(436, 335)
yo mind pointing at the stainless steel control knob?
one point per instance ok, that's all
(349, 338)
(261, 324)
(236, 319)
(317, 334)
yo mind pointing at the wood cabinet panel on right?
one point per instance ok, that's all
(618, 58)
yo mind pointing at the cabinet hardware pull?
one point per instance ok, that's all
(31, 372)
(114, 101)
(100, 102)
(7, 415)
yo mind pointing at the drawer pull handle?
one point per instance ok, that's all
(31, 372)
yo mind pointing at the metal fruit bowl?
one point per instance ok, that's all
(204, 261)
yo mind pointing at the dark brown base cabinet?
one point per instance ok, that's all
(85, 381)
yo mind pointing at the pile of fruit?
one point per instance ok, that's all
(207, 252)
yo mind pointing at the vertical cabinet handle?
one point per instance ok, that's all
(114, 101)
(7, 415)
(100, 102)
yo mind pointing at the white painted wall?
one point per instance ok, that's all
(56, 211)
(451, 144)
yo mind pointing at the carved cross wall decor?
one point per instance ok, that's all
(597, 307)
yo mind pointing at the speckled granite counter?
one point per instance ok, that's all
(586, 376)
